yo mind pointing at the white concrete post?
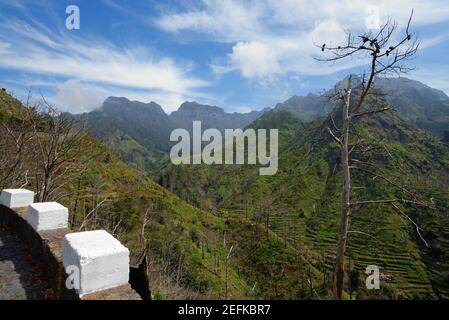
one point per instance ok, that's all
(101, 260)
(47, 216)
(16, 198)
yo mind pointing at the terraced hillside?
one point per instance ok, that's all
(301, 203)
(189, 247)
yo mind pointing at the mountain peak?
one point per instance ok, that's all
(195, 106)
(410, 87)
(116, 100)
(413, 101)
(122, 102)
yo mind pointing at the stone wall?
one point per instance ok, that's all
(47, 248)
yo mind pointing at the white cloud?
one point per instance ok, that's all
(4, 47)
(105, 63)
(287, 30)
(225, 20)
(44, 53)
(78, 97)
(254, 59)
(243, 109)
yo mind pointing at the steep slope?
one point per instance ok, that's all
(111, 195)
(189, 247)
(133, 153)
(417, 103)
(414, 102)
(10, 108)
(307, 107)
(301, 202)
(139, 133)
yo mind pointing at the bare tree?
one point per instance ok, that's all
(16, 135)
(228, 256)
(58, 145)
(386, 55)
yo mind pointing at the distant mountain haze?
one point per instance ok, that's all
(139, 132)
(301, 202)
(418, 103)
(413, 101)
(307, 107)
(211, 117)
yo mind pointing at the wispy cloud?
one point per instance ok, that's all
(95, 63)
(102, 62)
(269, 42)
(272, 38)
(78, 96)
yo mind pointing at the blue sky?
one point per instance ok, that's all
(240, 55)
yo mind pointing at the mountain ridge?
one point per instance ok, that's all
(140, 132)
(413, 101)
(301, 203)
(121, 122)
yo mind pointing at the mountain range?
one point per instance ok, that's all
(301, 204)
(186, 244)
(139, 133)
(413, 101)
(227, 232)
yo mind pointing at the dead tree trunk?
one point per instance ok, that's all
(386, 54)
(346, 195)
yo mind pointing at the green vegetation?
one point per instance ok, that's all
(139, 133)
(188, 246)
(301, 203)
(413, 101)
(230, 233)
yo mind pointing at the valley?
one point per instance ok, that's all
(226, 232)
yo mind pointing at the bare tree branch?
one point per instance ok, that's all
(385, 55)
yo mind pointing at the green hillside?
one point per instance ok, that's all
(301, 203)
(272, 236)
(139, 133)
(416, 103)
(189, 246)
